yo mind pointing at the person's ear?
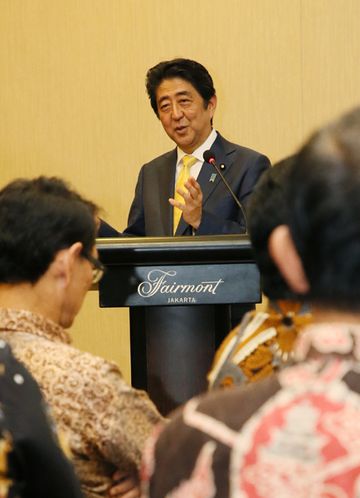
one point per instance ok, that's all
(284, 254)
(75, 251)
(212, 105)
(63, 265)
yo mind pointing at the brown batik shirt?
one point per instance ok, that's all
(105, 420)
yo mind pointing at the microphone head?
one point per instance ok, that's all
(209, 157)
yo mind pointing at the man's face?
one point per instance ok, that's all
(183, 114)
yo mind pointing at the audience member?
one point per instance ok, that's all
(293, 434)
(48, 261)
(263, 341)
(32, 464)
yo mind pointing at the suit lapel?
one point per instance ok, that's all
(166, 190)
(208, 178)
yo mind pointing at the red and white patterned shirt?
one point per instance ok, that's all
(291, 435)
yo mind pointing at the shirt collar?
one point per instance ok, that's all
(12, 320)
(198, 153)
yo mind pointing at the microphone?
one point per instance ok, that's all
(209, 157)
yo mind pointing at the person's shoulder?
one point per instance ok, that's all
(231, 147)
(233, 406)
(84, 377)
(71, 361)
(225, 403)
(86, 361)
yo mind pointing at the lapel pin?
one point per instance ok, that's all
(222, 166)
(212, 177)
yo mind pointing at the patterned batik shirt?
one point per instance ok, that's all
(105, 421)
(295, 434)
(260, 345)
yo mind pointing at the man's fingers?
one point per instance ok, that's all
(122, 487)
(134, 493)
(181, 191)
(128, 487)
(194, 189)
(177, 204)
(118, 492)
(119, 475)
(192, 196)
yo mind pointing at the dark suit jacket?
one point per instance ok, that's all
(152, 215)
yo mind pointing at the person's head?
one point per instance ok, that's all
(318, 251)
(268, 209)
(182, 95)
(47, 229)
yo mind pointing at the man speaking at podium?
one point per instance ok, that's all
(178, 193)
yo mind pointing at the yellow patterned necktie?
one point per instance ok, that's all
(188, 161)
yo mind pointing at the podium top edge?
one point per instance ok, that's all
(181, 242)
(174, 250)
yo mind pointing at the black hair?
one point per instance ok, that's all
(324, 213)
(38, 218)
(186, 69)
(268, 209)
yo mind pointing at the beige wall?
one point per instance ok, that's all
(72, 99)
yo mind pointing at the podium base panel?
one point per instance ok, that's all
(172, 348)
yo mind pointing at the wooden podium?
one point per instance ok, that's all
(178, 290)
